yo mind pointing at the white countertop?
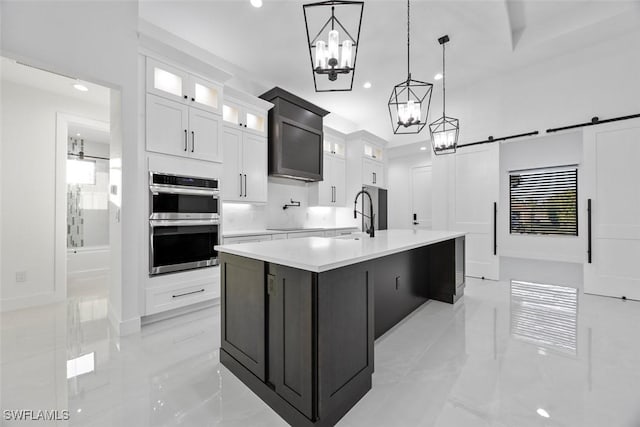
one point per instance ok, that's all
(320, 254)
(262, 232)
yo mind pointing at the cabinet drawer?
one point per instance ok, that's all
(169, 297)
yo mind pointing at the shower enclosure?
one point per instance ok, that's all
(87, 204)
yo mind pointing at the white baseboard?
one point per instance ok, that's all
(123, 327)
(157, 317)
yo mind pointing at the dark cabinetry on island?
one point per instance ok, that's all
(303, 341)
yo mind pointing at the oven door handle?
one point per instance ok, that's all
(157, 189)
(182, 222)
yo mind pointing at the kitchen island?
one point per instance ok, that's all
(299, 317)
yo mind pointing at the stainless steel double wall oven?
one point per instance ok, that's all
(184, 222)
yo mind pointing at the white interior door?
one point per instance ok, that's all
(421, 196)
(474, 197)
(611, 154)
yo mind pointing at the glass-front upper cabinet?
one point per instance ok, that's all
(173, 83)
(245, 117)
(373, 151)
(333, 146)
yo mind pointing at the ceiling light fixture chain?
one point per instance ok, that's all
(444, 130)
(444, 74)
(409, 115)
(408, 41)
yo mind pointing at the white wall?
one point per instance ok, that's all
(95, 41)
(600, 80)
(28, 188)
(546, 151)
(242, 217)
(400, 185)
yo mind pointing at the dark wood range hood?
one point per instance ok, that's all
(295, 136)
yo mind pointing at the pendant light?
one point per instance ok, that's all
(333, 50)
(444, 131)
(410, 99)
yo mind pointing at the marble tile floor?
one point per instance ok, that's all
(508, 354)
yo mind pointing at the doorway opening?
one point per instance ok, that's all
(57, 154)
(87, 198)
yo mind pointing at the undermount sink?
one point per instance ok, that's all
(353, 236)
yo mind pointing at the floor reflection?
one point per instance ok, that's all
(545, 315)
(497, 358)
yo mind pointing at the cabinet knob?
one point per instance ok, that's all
(245, 125)
(185, 97)
(193, 99)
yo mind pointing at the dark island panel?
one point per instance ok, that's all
(243, 308)
(291, 337)
(304, 341)
(345, 338)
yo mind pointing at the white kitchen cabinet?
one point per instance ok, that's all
(373, 151)
(362, 168)
(206, 130)
(300, 235)
(177, 129)
(333, 146)
(245, 166)
(372, 173)
(247, 239)
(331, 190)
(181, 86)
(245, 117)
(167, 126)
(176, 295)
(254, 161)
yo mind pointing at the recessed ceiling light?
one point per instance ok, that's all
(367, 85)
(77, 134)
(423, 148)
(256, 3)
(80, 87)
(542, 413)
(438, 76)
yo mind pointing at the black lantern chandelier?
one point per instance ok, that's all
(444, 131)
(333, 49)
(409, 101)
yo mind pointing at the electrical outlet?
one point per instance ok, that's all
(21, 276)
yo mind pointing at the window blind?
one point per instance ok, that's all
(544, 201)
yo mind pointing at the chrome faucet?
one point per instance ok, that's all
(371, 230)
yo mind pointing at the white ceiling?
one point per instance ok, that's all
(488, 37)
(87, 133)
(22, 74)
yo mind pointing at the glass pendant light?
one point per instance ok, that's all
(444, 131)
(410, 99)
